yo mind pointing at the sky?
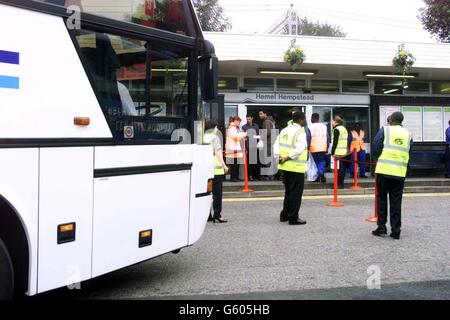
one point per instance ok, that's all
(394, 20)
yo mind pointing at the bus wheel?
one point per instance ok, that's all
(6, 274)
(176, 251)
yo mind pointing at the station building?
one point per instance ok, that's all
(354, 78)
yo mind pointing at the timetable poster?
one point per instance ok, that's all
(432, 124)
(385, 112)
(413, 122)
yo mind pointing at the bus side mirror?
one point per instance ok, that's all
(209, 77)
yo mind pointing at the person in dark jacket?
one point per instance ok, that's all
(252, 130)
(392, 146)
(266, 156)
(447, 152)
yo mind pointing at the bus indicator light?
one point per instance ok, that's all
(145, 238)
(66, 232)
(81, 121)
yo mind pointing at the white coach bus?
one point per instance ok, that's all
(100, 103)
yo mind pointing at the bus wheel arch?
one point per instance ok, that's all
(14, 238)
(6, 273)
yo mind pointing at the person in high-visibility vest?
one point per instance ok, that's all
(212, 137)
(392, 146)
(319, 145)
(340, 146)
(359, 146)
(291, 148)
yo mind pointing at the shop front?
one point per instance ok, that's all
(354, 108)
(363, 88)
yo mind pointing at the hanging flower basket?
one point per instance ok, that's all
(295, 56)
(403, 61)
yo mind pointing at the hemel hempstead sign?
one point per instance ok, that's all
(284, 97)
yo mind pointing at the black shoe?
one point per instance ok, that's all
(395, 236)
(283, 219)
(219, 220)
(363, 177)
(297, 222)
(210, 218)
(380, 231)
(234, 180)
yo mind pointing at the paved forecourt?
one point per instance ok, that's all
(254, 255)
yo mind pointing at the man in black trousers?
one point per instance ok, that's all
(392, 146)
(291, 146)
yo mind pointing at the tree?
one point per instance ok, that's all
(309, 28)
(435, 18)
(211, 16)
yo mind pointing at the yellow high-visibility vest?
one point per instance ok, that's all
(287, 139)
(395, 156)
(218, 168)
(342, 146)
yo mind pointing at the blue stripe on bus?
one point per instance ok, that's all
(9, 82)
(9, 57)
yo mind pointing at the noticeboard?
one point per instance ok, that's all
(413, 122)
(446, 119)
(385, 112)
(426, 123)
(433, 124)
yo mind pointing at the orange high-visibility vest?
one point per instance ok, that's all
(319, 139)
(358, 141)
(233, 147)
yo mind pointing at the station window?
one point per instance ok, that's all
(395, 87)
(228, 83)
(354, 115)
(290, 84)
(230, 111)
(441, 87)
(416, 87)
(389, 87)
(325, 86)
(139, 105)
(259, 84)
(355, 86)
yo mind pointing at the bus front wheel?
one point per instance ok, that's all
(6, 273)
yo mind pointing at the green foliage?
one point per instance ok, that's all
(295, 56)
(211, 16)
(309, 28)
(403, 61)
(435, 18)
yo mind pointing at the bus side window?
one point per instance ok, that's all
(103, 64)
(119, 68)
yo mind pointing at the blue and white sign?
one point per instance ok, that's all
(8, 76)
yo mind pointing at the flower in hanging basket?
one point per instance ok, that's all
(295, 56)
(403, 61)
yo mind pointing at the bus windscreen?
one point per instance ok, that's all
(168, 15)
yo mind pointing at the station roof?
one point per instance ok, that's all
(342, 57)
